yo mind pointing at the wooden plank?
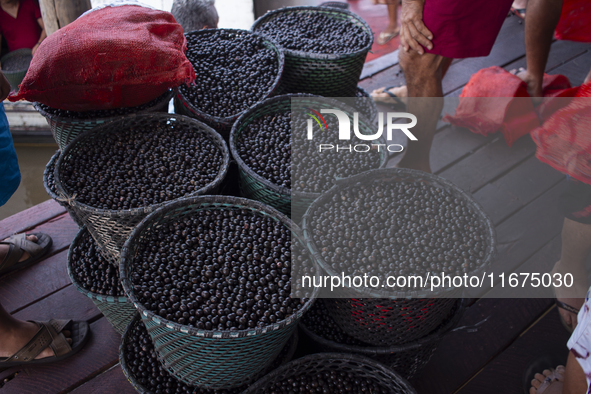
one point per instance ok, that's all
(517, 188)
(576, 70)
(547, 336)
(452, 144)
(25, 287)
(488, 327)
(525, 233)
(100, 353)
(486, 164)
(67, 303)
(30, 218)
(378, 65)
(111, 381)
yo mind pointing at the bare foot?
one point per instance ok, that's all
(551, 380)
(4, 249)
(13, 338)
(534, 84)
(380, 95)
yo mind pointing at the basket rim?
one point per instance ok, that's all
(167, 96)
(284, 191)
(94, 296)
(433, 336)
(259, 384)
(491, 249)
(52, 161)
(13, 54)
(326, 10)
(231, 119)
(215, 202)
(214, 136)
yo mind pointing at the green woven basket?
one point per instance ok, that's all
(110, 228)
(65, 129)
(16, 77)
(329, 75)
(209, 359)
(224, 125)
(118, 310)
(254, 186)
(284, 357)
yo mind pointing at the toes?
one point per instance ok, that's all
(66, 333)
(32, 238)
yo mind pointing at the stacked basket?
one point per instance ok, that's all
(206, 358)
(329, 75)
(111, 228)
(67, 128)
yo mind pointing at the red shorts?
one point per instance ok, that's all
(464, 28)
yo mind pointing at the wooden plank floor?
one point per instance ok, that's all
(497, 337)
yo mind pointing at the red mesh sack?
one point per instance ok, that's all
(556, 88)
(487, 104)
(119, 56)
(564, 140)
(574, 23)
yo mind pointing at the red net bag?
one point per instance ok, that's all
(575, 21)
(564, 140)
(119, 56)
(487, 104)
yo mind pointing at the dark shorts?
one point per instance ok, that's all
(464, 28)
(10, 175)
(576, 201)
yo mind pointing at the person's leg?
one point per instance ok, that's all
(576, 246)
(15, 333)
(423, 75)
(573, 379)
(540, 22)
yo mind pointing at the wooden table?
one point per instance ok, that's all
(498, 338)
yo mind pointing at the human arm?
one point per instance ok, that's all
(413, 32)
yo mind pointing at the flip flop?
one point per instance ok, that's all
(538, 366)
(50, 335)
(568, 308)
(518, 12)
(385, 37)
(398, 103)
(18, 245)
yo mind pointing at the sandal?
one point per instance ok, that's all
(385, 37)
(398, 102)
(18, 245)
(538, 366)
(50, 335)
(567, 308)
(518, 12)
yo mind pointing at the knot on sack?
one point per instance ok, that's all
(63, 198)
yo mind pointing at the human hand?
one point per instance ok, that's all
(413, 32)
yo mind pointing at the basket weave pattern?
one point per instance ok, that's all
(66, 129)
(118, 310)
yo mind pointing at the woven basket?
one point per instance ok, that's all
(329, 75)
(50, 188)
(391, 175)
(284, 356)
(254, 186)
(335, 4)
(355, 365)
(110, 228)
(65, 129)
(223, 125)
(407, 358)
(118, 310)
(16, 77)
(209, 359)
